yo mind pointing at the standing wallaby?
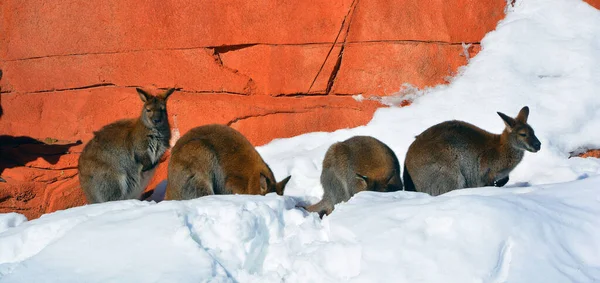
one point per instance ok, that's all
(216, 159)
(357, 164)
(454, 155)
(119, 161)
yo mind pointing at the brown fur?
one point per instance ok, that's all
(360, 163)
(120, 160)
(216, 159)
(455, 154)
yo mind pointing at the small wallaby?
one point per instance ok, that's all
(454, 155)
(120, 160)
(360, 163)
(216, 159)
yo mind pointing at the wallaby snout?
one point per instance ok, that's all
(534, 145)
(454, 155)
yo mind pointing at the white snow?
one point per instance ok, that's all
(9, 220)
(544, 226)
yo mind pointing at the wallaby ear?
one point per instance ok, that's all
(510, 122)
(391, 177)
(363, 181)
(523, 115)
(281, 185)
(144, 96)
(167, 93)
(264, 188)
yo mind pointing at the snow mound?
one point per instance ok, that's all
(535, 234)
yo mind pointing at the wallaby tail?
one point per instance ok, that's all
(408, 182)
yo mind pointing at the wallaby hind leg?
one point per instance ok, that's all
(438, 182)
(408, 182)
(145, 178)
(337, 185)
(106, 189)
(197, 186)
(322, 208)
(501, 182)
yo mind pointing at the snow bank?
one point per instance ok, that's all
(545, 54)
(535, 234)
(9, 220)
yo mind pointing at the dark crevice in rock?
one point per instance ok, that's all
(263, 115)
(228, 48)
(5, 198)
(335, 42)
(300, 94)
(410, 41)
(75, 88)
(338, 63)
(216, 53)
(217, 56)
(133, 86)
(212, 92)
(13, 208)
(299, 111)
(319, 93)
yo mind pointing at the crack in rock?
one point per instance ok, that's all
(338, 63)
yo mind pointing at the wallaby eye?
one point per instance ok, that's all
(523, 134)
(148, 110)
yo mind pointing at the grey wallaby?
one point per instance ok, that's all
(454, 155)
(360, 163)
(120, 160)
(216, 159)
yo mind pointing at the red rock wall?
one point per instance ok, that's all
(267, 68)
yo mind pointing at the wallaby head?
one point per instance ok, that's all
(519, 134)
(268, 184)
(154, 113)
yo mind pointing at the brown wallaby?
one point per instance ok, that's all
(216, 159)
(120, 160)
(357, 164)
(454, 155)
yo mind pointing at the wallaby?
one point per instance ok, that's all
(120, 160)
(360, 163)
(216, 159)
(454, 155)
